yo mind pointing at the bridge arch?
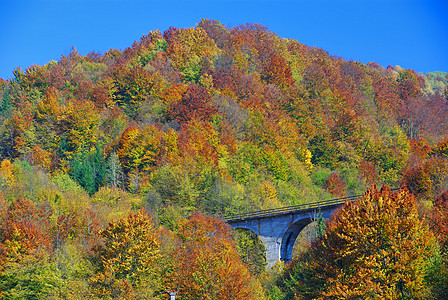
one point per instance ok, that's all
(290, 236)
(278, 235)
(245, 226)
(278, 228)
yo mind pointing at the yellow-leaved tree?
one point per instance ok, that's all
(374, 248)
(128, 261)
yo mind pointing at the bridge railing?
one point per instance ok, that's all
(289, 209)
(293, 208)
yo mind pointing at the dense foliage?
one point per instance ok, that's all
(212, 119)
(375, 248)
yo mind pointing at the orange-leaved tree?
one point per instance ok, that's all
(195, 103)
(140, 148)
(25, 248)
(206, 264)
(439, 218)
(335, 185)
(24, 232)
(374, 248)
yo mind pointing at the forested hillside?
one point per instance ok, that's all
(207, 120)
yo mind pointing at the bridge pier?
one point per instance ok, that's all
(272, 246)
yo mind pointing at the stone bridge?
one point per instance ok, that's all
(278, 228)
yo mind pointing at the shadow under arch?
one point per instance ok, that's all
(290, 236)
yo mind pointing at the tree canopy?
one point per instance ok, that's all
(110, 162)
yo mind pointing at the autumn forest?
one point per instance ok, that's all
(118, 169)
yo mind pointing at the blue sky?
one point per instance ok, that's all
(412, 34)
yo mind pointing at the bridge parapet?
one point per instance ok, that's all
(325, 204)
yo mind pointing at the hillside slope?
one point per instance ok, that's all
(221, 119)
(212, 119)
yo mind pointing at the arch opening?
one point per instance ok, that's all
(290, 237)
(306, 237)
(299, 236)
(251, 250)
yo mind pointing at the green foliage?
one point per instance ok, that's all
(191, 70)
(89, 170)
(140, 149)
(189, 49)
(251, 250)
(35, 280)
(437, 276)
(320, 175)
(173, 187)
(146, 55)
(323, 151)
(93, 70)
(435, 82)
(64, 182)
(351, 178)
(22, 166)
(113, 203)
(132, 87)
(169, 216)
(5, 104)
(389, 153)
(216, 119)
(276, 164)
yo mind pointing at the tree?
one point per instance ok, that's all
(206, 263)
(278, 72)
(127, 263)
(140, 149)
(389, 153)
(25, 245)
(215, 30)
(410, 84)
(257, 42)
(386, 98)
(189, 49)
(26, 228)
(114, 172)
(335, 185)
(89, 170)
(7, 172)
(438, 222)
(439, 218)
(133, 86)
(324, 151)
(374, 248)
(195, 103)
(79, 123)
(368, 172)
(428, 179)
